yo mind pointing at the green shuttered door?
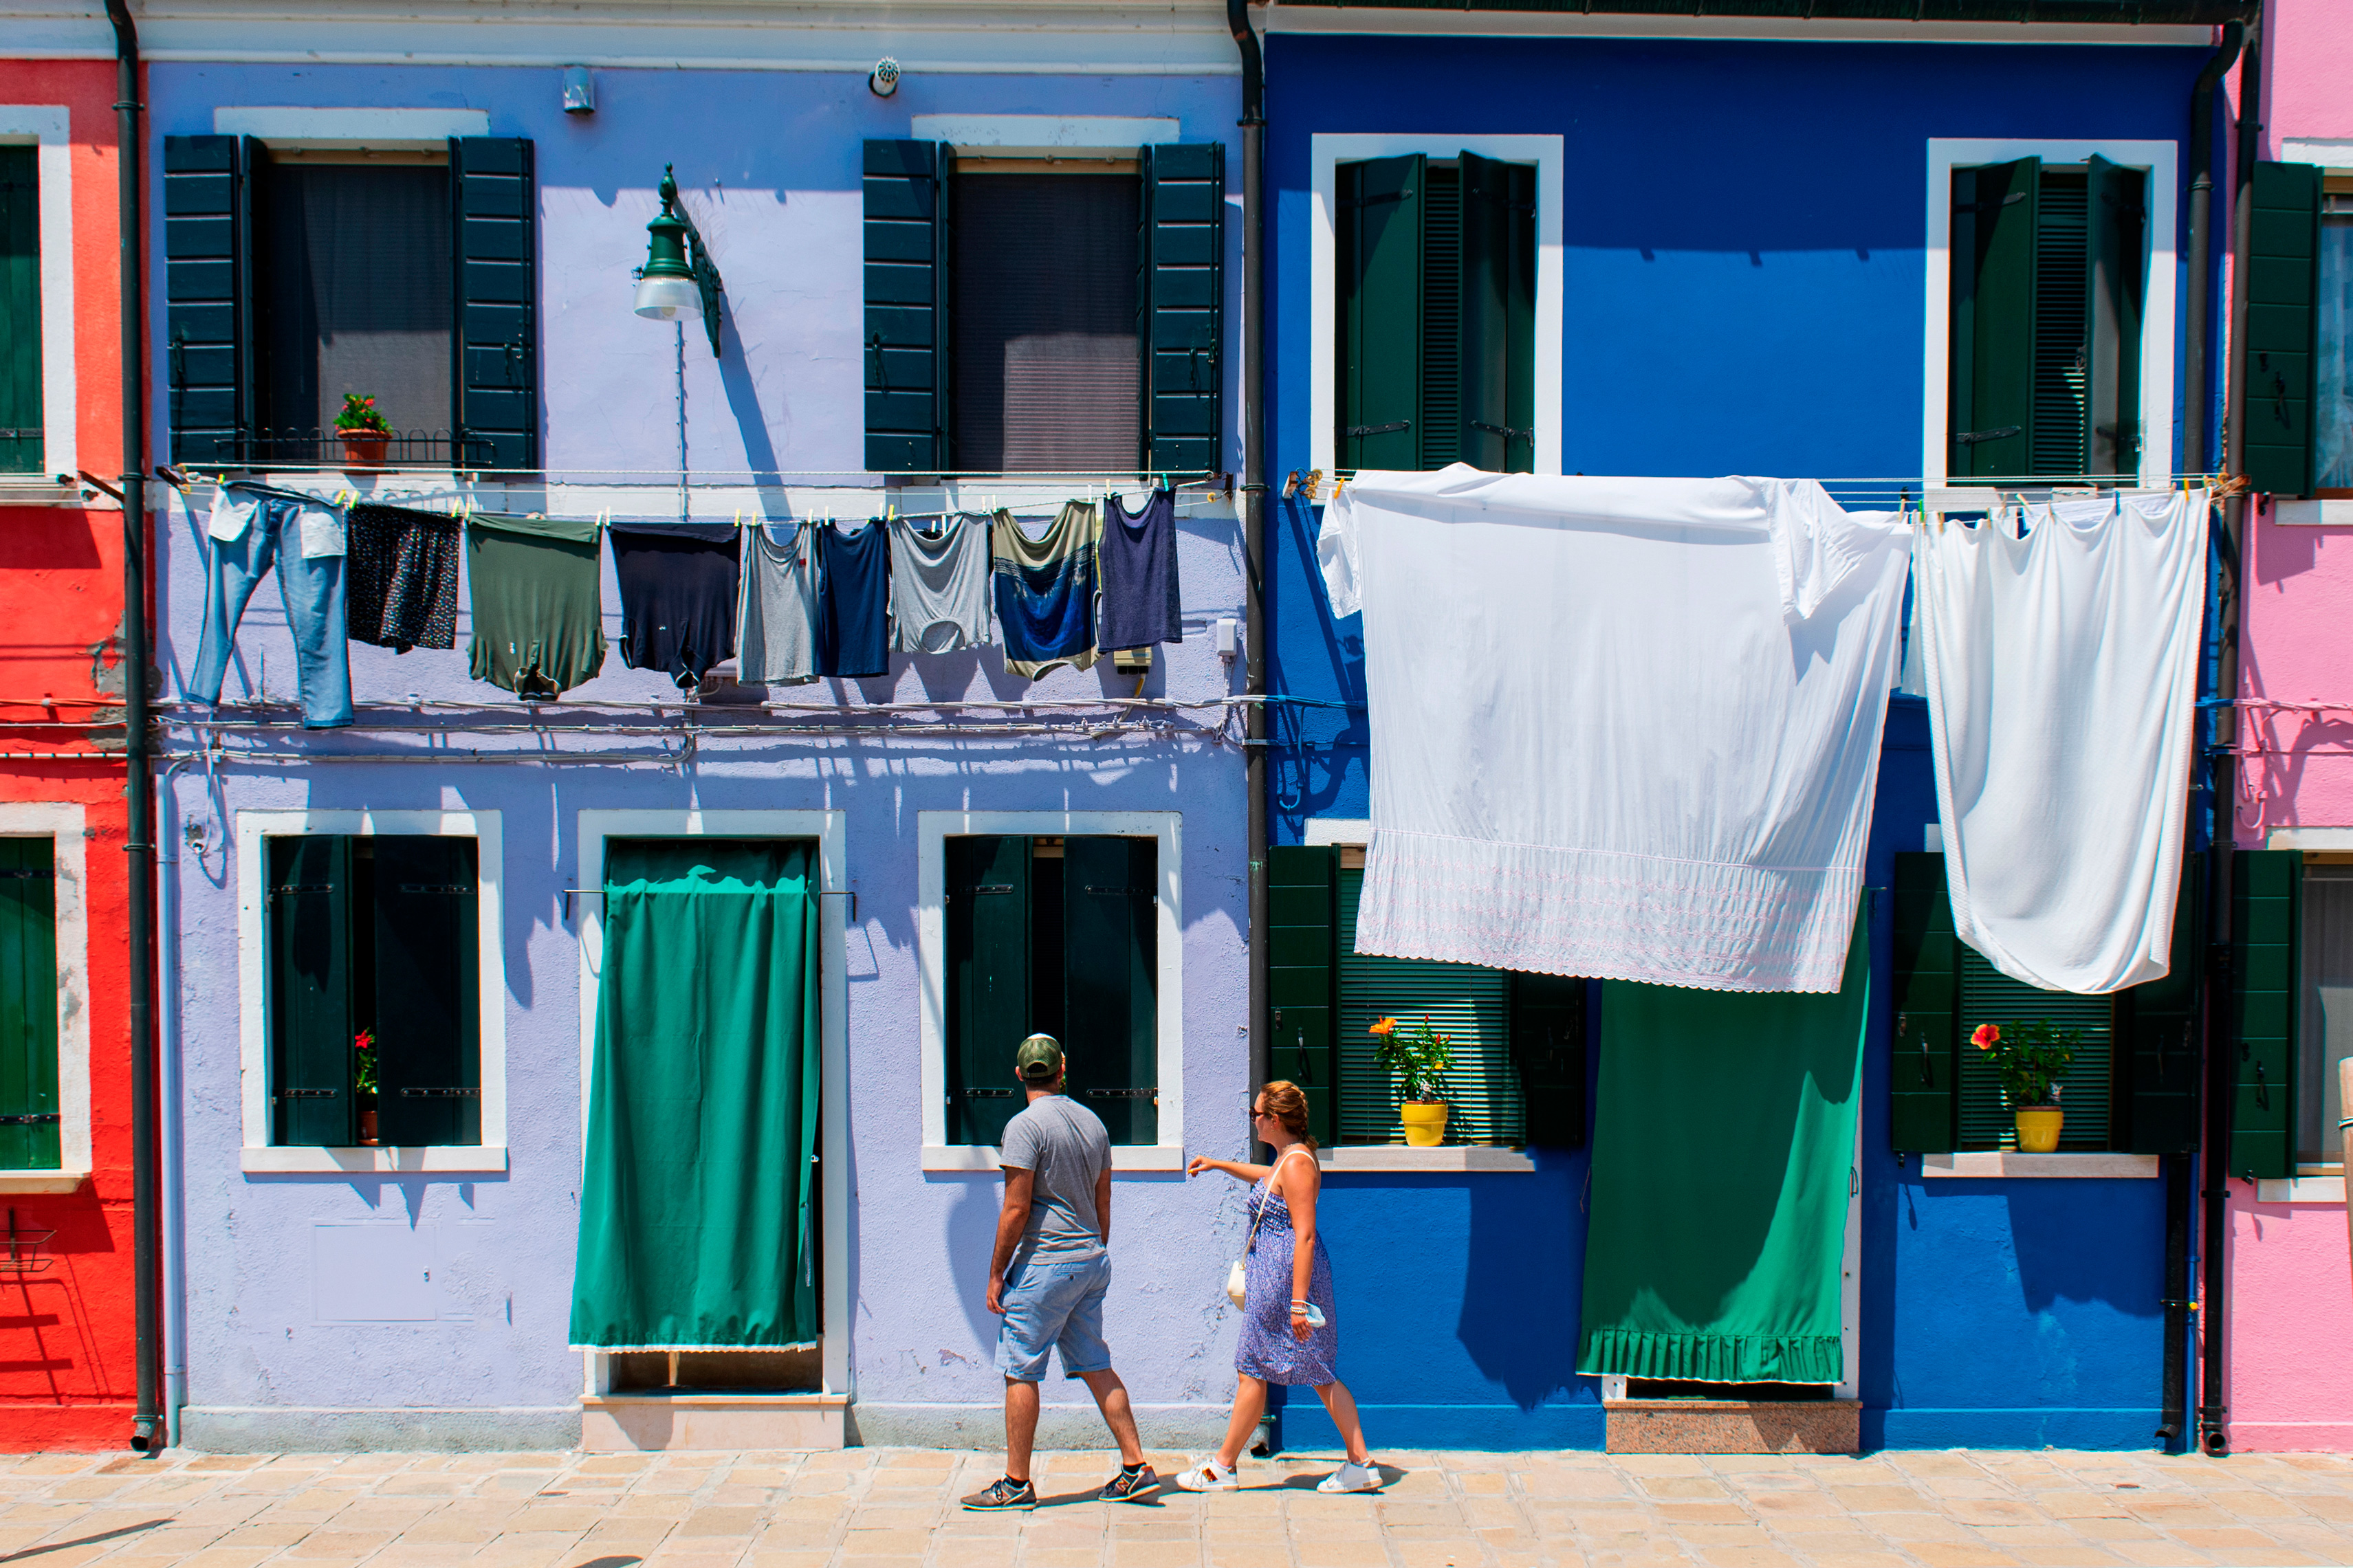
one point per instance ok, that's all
(2114, 286)
(20, 313)
(2267, 900)
(208, 328)
(1380, 305)
(1303, 976)
(495, 232)
(1922, 1070)
(28, 1005)
(906, 307)
(309, 998)
(1110, 1021)
(989, 983)
(1995, 220)
(427, 1023)
(1183, 303)
(1498, 315)
(2283, 322)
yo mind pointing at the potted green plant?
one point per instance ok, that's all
(1417, 1058)
(364, 1082)
(365, 432)
(2029, 1061)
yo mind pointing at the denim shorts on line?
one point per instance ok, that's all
(1054, 1300)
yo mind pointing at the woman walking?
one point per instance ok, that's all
(1290, 1334)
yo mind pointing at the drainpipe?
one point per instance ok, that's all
(1253, 377)
(147, 1425)
(2213, 1415)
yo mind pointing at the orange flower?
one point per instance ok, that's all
(1987, 1035)
(1386, 1027)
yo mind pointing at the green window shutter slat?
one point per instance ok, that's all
(1110, 977)
(988, 900)
(1995, 220)
(308, 905)
(1498, 315)
(207, 287)
(2160, 1062)
(20, 313)
(28, 1005)
(1547, 1035)
(2266, 920)
(427, 1014)
(1380, 306)
(906, 347)
(1303, 977)
(494, 229)
(2282, 342)
(1922, 1071)
(1445, 354)
(2086, 1093)
(2116, 208)
(1183, 301)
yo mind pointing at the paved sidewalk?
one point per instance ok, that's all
(877, 1507)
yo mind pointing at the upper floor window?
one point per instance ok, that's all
(20, 313)
(2333, 374)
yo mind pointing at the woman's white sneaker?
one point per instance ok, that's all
(1208, 1475)
(1352, 1478)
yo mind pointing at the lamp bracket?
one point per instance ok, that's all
(698, 260)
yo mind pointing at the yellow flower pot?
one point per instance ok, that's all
(2038, 1129)
(1425, 1122)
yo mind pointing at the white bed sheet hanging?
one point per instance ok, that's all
(2061, 678)
(1622, 728)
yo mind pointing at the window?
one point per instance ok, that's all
(1027, 314)
(295, 274)
(2048, 289)
(377, 935)
(20, 315)
(31, 1131)
(1437, 313)
(1055, 935)
(2326, 1004)
(1989, 996)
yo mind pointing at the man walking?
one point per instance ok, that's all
(1048, 1272)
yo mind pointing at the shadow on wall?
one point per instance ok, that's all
(2054, 1265)
(1520, 1319)
(1338, 735)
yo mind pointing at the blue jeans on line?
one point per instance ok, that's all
(311, 589)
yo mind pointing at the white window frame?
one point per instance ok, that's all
(2158, 325)
(47, 127)
(64, 825)
(1326, 152)
(933, 829)
(384, 130)
(830, 829)
(252, 830)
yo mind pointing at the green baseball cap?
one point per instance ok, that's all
(1039, 1059)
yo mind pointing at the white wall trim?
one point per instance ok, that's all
(2157, 316)
(1038, 135)
(48, 126)
(64, 824)
(2333, 153)
(252, 830)
(1281, 18)
(2339, 839)
(1326, 153)
(390, 1160)
(829, 828)
(2322, 513)
(933, 829)
(1322, 830)
(423, 129)
(2300, 1190)
(1985, 1163)
(1448, 1159)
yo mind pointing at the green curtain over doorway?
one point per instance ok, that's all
(1723, 1138)
(698, 1204)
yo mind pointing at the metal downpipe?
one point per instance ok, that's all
(1252, 383)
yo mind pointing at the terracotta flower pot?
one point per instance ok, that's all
(1425, 1122)
(364, 448)
(367, 1120)
(2038, 1129)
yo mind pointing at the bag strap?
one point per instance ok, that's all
(1261, 1214)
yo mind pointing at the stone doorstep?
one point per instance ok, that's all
(1733, 1425)
(641, 1423)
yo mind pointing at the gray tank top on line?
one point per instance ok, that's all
(776, 629)
(939, 583)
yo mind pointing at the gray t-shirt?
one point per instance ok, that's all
(1064, 1145)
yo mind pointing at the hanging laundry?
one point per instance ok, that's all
(679, 585)
(251, 529)
(1046, 591)
(939, 583)
(2061, 674)
(538, 611)
(404, 576)
(776, 624)
(1139, 574)
(853, 599)
(1621, 728)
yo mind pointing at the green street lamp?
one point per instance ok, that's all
(679, 279)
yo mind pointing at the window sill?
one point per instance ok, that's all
(13, 1183)
(39, 489)
(480, 1158)
(2301, 1190)
(983, 1157)
(1462, 1157)
(1981, 1162)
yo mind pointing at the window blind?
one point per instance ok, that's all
(1989, 996)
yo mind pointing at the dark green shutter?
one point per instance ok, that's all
(1922, 1068)
(2282, 328)
(1380, 308)
(906, 185)
(208, 296)
(20, 313)
(427, 1016)
(28, 1005)
(1995, 218)
(2160, 1055)
(494, 230)
(988, 981)
(308, 914)
(1183, 303)
(1110, 1030)
(1548, 1046)
(1498, 315)
(2115, 283)
(1303, 979)
(2266, 910)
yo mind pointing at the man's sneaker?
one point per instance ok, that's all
(1208, 1475)
(1125, 1488)
(1352, 1478)
(1004, 1492)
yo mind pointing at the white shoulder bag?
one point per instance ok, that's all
(1238, 1276)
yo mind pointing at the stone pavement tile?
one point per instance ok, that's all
(2081, 1502)
(1701, 1513)
(796, 1560)
(847, 1460)
(1746, 1557)
(2161, 1553)
(1917, 1527)
(1458, 1554)
(339, 1543)
(1683, 1486)
(879, 1561)
(1660, 1464)
(705, 1521)
(1943, 1555)
(2264, 1557)
(420, 1484)
(1991, 1510)
(2256, 1505)
(2082, 1555)
(227, 1557)
(1341, 1554)
(1045, 1557)
(1572, 1484)
(90, 1487)
(1876, 1499)
(1159, 1554)
(2126, 1529)
(217, 1463)
(1807, 1504)
(411, 1554)
(1869, 1559)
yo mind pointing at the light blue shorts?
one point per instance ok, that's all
(1054, 1302)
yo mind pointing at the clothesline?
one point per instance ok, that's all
(1892, 489)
